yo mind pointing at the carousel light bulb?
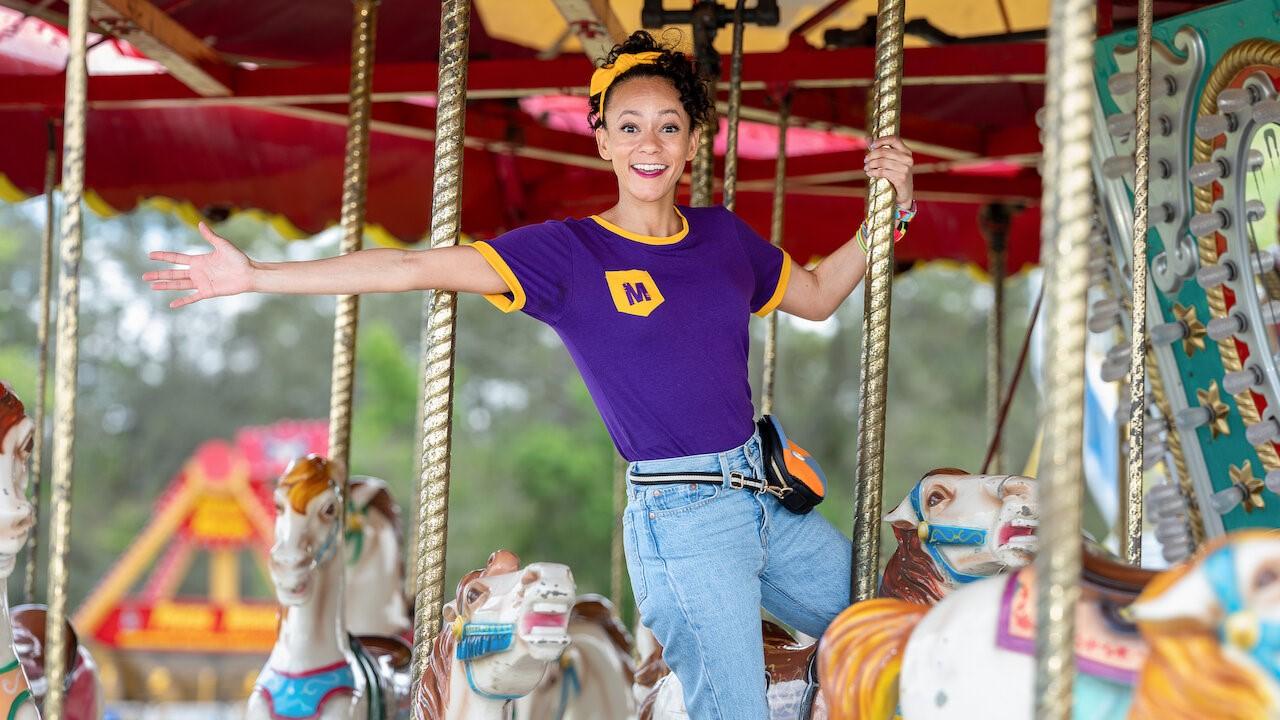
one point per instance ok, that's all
(1121, 124)
(1255, 210)
(1191, 418)
(1211, 276)
(1224, 501)
(1118, 166)
(1220, 329)
(1254, 160)
(1207, 173)
(1267, 111)
(1263, 432)
(1209, 127)
(1272, 481)
(1167, 333)
(1153, 427)
(1104, 315)
(1233, 100)
(1042, 117)
(1122, 83)
(1114, 370)
(1208, 223)
(1270, 312)
(1241, 380)
(1152, 454)
(1263, 260)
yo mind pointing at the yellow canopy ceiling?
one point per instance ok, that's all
(538, 23)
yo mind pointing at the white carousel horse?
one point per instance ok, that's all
(374, 602)
(22, 683)
(952, 528)
(594, 677)
(503, 631)
(316, 670)
(1209, 645)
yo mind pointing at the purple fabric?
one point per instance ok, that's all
(658, 331)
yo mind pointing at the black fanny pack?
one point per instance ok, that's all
(792, 474)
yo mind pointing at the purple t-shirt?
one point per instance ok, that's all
(656, 326)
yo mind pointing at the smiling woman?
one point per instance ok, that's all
(652, 301)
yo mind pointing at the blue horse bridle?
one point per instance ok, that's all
(477, 640)
(931, 536)
(1242, 629)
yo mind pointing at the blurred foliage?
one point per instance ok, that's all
(532, 464)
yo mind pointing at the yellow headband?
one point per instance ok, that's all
(602, 78)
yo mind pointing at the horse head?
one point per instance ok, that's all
(510, 623)
(1214, 631)
(306, 533)
(17, 435)
(954, 527)
(374, 602)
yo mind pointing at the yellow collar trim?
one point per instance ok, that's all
(646, 239)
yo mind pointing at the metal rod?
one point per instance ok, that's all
(735, 109)
(995, 223)
(67, 359)
(878, 284)
(1131, 536)
(42, 361)
(770, 369)
(704, 23)
(440, 323)
(1067, 210)
(1007, 402)
(354, 186)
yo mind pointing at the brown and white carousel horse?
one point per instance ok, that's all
(952, 529)
(22, 630)
(505, 629)
(1209, 644)
(316, 669)
(374, 602)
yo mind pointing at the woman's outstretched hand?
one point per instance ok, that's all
(890, 158)
(225, 271)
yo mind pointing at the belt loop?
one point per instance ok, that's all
(725, 468)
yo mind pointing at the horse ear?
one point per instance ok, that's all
(902, 516)
(1191, 597)
(449, 613)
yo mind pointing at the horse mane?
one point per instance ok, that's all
(860, 657)
(911, 574)
(305, 478)
(433, 687)
(1187, 675)
(11, 411)
(598, 610)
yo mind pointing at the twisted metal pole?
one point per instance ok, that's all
(354, 185)
(703, 171)
(735, 108)
(775, 236)
(65, 363)
(878, 284)
(1131, 536)
(42, 362)
(438, 333)
(1066, 220)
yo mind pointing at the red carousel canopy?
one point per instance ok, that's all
(242, 106)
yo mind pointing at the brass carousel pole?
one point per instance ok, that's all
(775, 236)
(1131, 537)
(64, 394)
(1066, 210)
(704, 32)
(42, 361)
(995, 222)
(438, 334)
(875, 326)
(617, 556)
(354, 184)
(735, 108)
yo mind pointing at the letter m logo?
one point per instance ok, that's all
(633, 291)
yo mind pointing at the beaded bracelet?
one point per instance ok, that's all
(899, 231)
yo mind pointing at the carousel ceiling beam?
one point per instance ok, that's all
(960, 65)
(595, 24)
(1023, 188)
(40, 10)
(159, 37)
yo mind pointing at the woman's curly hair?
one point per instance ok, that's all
(672, 64)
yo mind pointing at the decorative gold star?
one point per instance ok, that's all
(1211, 398)
(1196, 333)
(1250, 486)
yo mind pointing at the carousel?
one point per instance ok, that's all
(1128, 148)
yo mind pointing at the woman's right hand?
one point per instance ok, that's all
(225, 271)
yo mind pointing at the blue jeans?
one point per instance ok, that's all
(703, 559)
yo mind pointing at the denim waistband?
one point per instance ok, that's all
(743, 459)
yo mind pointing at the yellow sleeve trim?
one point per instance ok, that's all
(499, 300)
(783, 278)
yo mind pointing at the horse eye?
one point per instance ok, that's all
(935, 498)
(330, 510)
(1266, 576)
(473, 594)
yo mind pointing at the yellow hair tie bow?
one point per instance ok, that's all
(602, 78)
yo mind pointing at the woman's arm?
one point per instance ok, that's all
(815, 294)
(227, 271)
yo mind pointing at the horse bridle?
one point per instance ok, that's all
(1242, 629)
(931, 536)
(478, 640)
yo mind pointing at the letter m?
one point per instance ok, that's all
(636, 292)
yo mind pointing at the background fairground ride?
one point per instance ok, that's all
(214, 108)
